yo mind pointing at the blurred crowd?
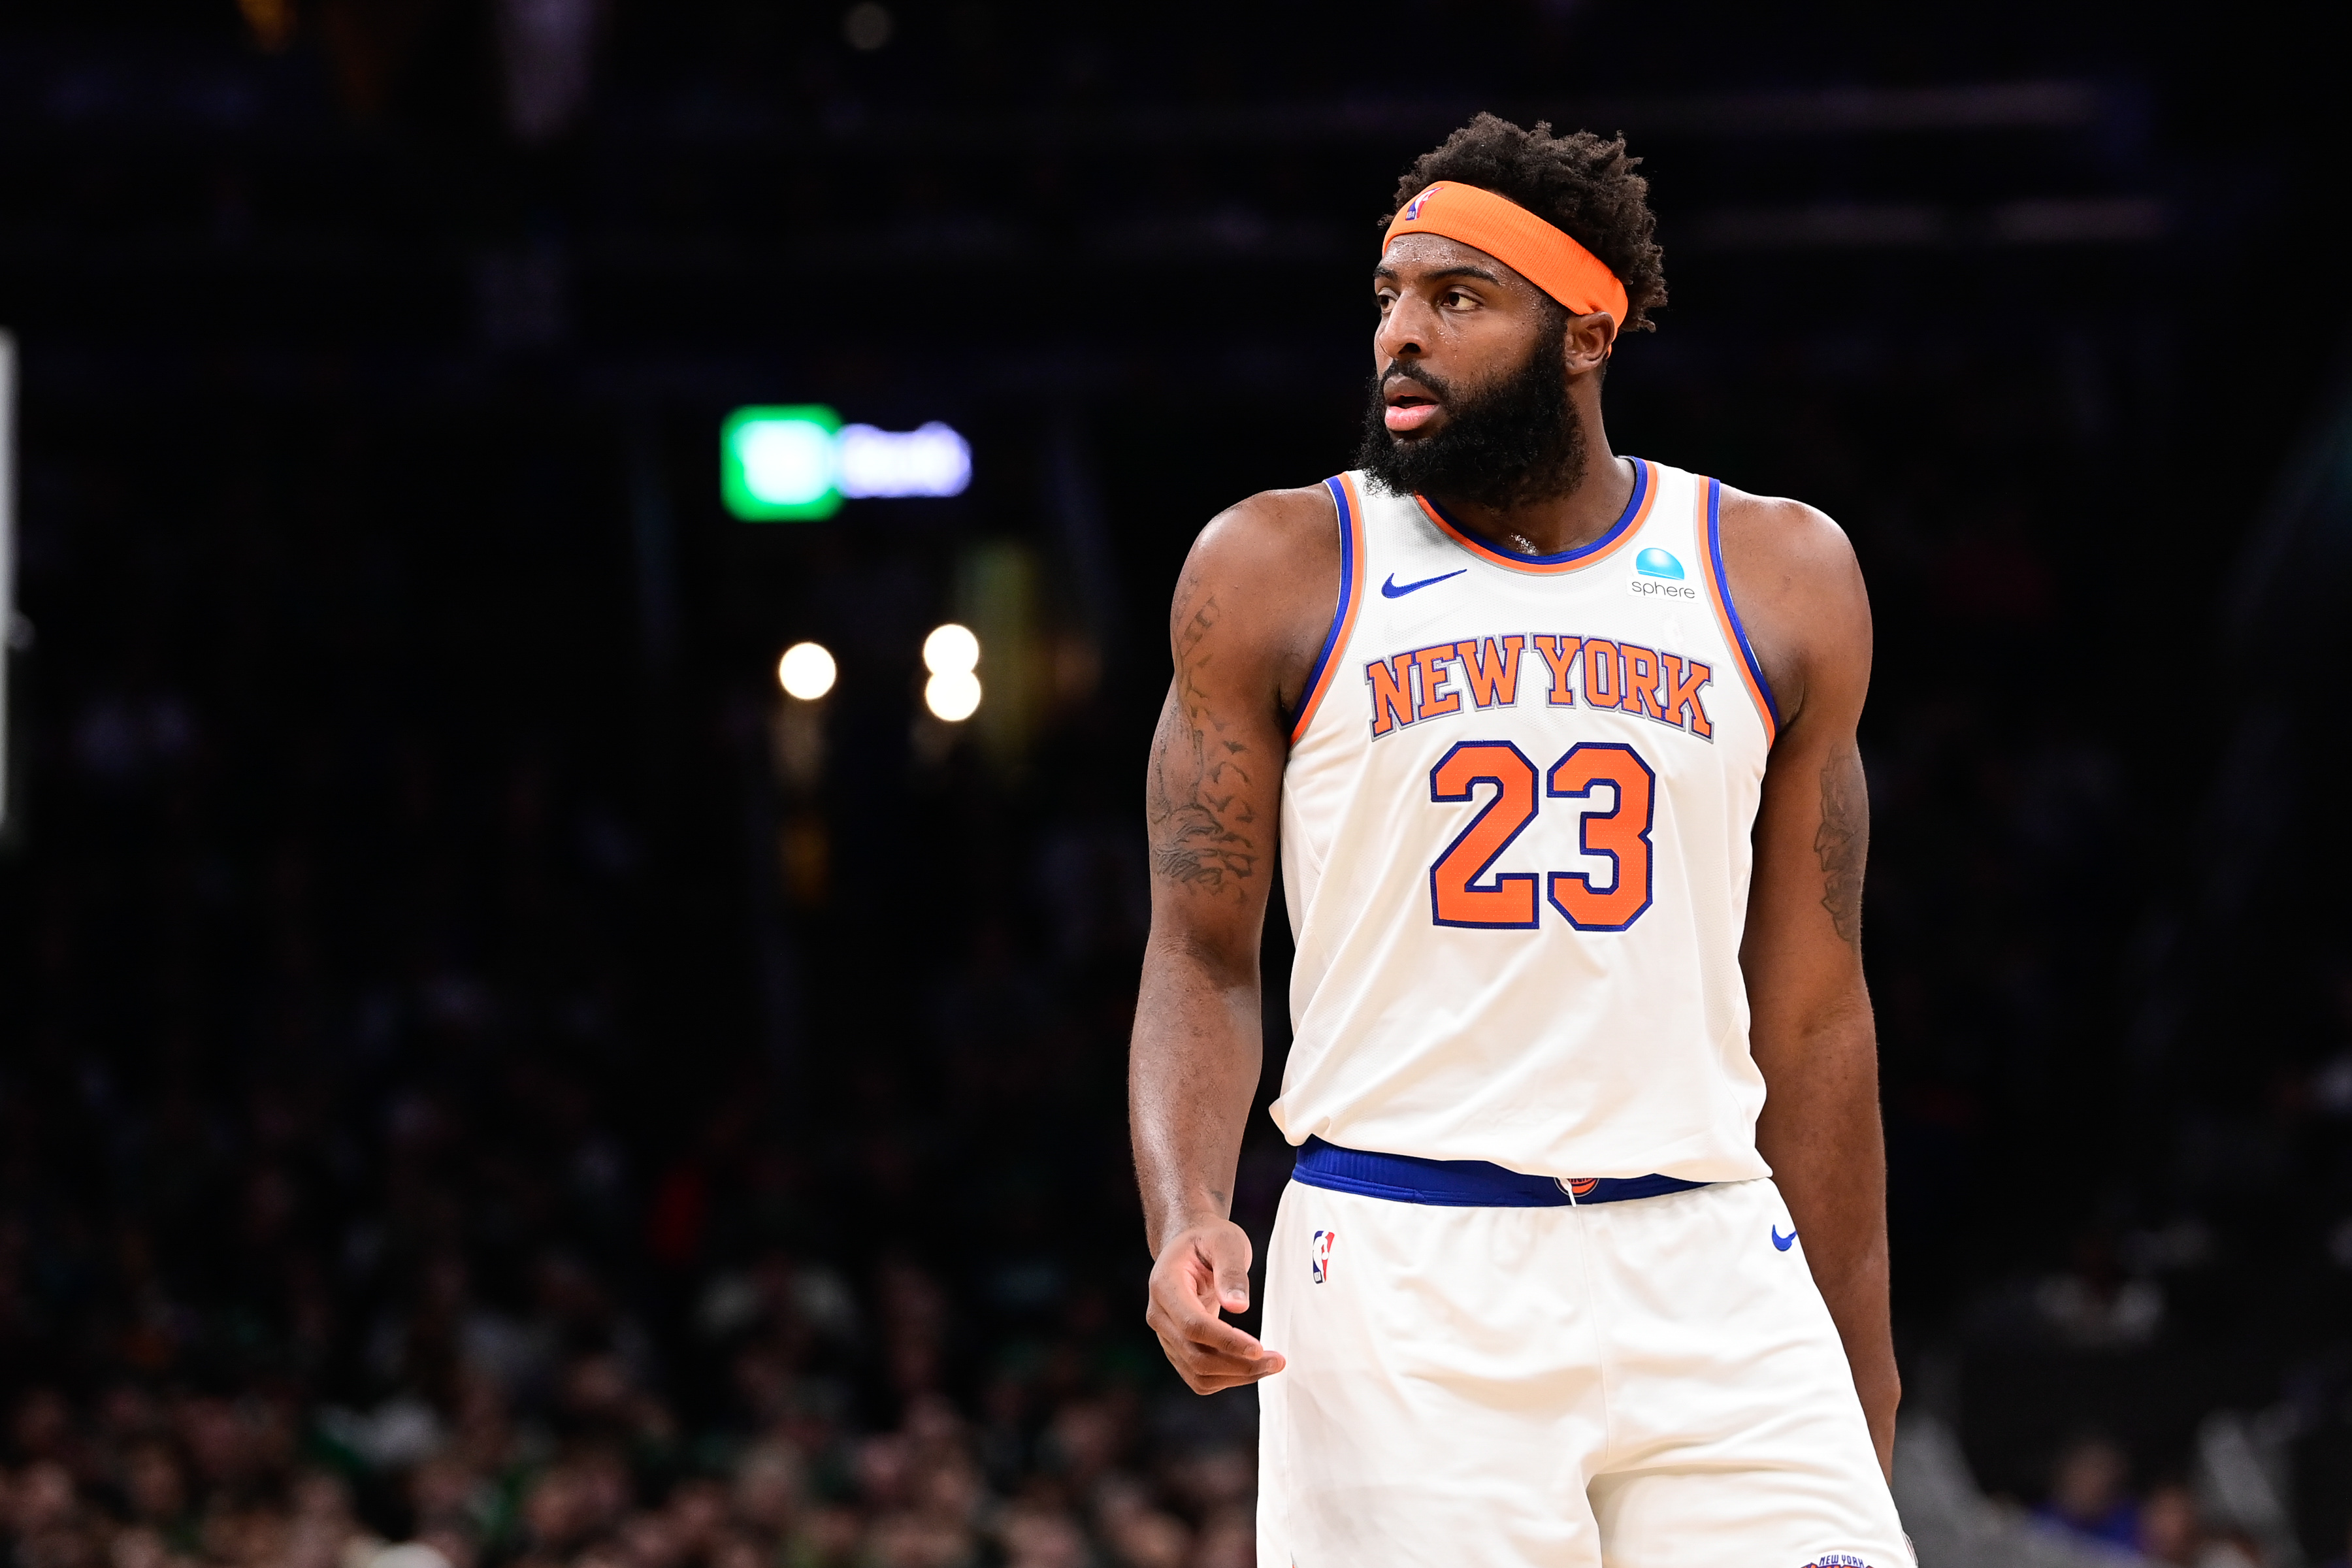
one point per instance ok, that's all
(373, 1194)
(540, 1440)
(405, 1148)
(2092, 1499)
(397, 1166)
(251, 1481)
(472, 1094)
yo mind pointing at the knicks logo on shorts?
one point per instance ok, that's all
(1320, 1254)
(1838, 1560)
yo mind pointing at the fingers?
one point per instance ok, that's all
(1208, 1337)
(1197, 1277)
(1228, 1255)
(1214, 1380)
(1229, 1359)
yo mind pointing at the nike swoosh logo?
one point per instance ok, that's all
(1783, 1242)
(1392, 589)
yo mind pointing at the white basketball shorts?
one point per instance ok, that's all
(1648, 1384)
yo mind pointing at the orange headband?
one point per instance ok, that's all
(1514, 237)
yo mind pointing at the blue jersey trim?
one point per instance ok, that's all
(1624, 521)
(1723, 579)
(1460, 1183)
(1347, 593)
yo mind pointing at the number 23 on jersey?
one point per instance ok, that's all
(1506, 901)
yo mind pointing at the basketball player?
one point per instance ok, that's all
(1583, 1258)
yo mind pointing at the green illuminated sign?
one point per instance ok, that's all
(779, 464)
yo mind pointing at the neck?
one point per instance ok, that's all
(1555, 524)
(1565, 521)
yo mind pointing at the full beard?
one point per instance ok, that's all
(1505, 445)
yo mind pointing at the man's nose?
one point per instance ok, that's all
(1403, 330)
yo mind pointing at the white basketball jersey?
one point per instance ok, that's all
(1514, 837)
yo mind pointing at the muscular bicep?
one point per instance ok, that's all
(1212, 798)
(1812, 846)
(1841, 839)
(1809, 1005)
(1803, 951)
(1206, 810)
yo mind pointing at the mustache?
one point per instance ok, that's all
(1441, 392)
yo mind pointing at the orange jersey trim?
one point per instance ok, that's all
(1351, 599)
(1719, 594)
(1628, 524)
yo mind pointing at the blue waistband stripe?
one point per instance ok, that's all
(1459, 1183)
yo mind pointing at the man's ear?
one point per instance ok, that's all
(1591, 340)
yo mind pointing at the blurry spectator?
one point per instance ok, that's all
(48, 1523)
(1228, 1541)
(2087, 1492)
(697, 1518)
(902, 1539)
(2096, 1304)
(2229, 1551)
(1042, 1538)
(828, 1538)
(1139, 1534)
(2168, 1526)
(769, 1488)
(153, 1487)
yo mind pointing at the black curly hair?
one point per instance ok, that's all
(1578, 182)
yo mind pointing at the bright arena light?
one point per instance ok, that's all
(786, 462)
(931, 460)
(952, 695)
(951, 649)
(806, 671)
(797, 462)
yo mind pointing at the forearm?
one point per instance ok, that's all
(1192, 1070)
(1821, 1134)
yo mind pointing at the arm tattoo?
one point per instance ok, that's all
(1202, 825)
(1843, 841)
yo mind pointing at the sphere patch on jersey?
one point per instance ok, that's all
(1656, 562)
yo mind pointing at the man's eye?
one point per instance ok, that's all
(1457, 300)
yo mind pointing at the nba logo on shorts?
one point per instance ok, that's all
(1321, 1256)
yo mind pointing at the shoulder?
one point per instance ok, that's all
(1792, 573)
(1786, 544)
(1262, 579)
(1266, 552)
(1276, 531)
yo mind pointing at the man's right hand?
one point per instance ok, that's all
(1249, 614)
(1204, 1270)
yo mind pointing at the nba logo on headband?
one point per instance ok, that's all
(1412, 208)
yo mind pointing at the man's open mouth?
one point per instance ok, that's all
(1408, 407)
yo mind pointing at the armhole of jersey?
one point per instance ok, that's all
(1343, 617)
(1719, 584)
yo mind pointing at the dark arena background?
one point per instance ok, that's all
(487, 1078)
